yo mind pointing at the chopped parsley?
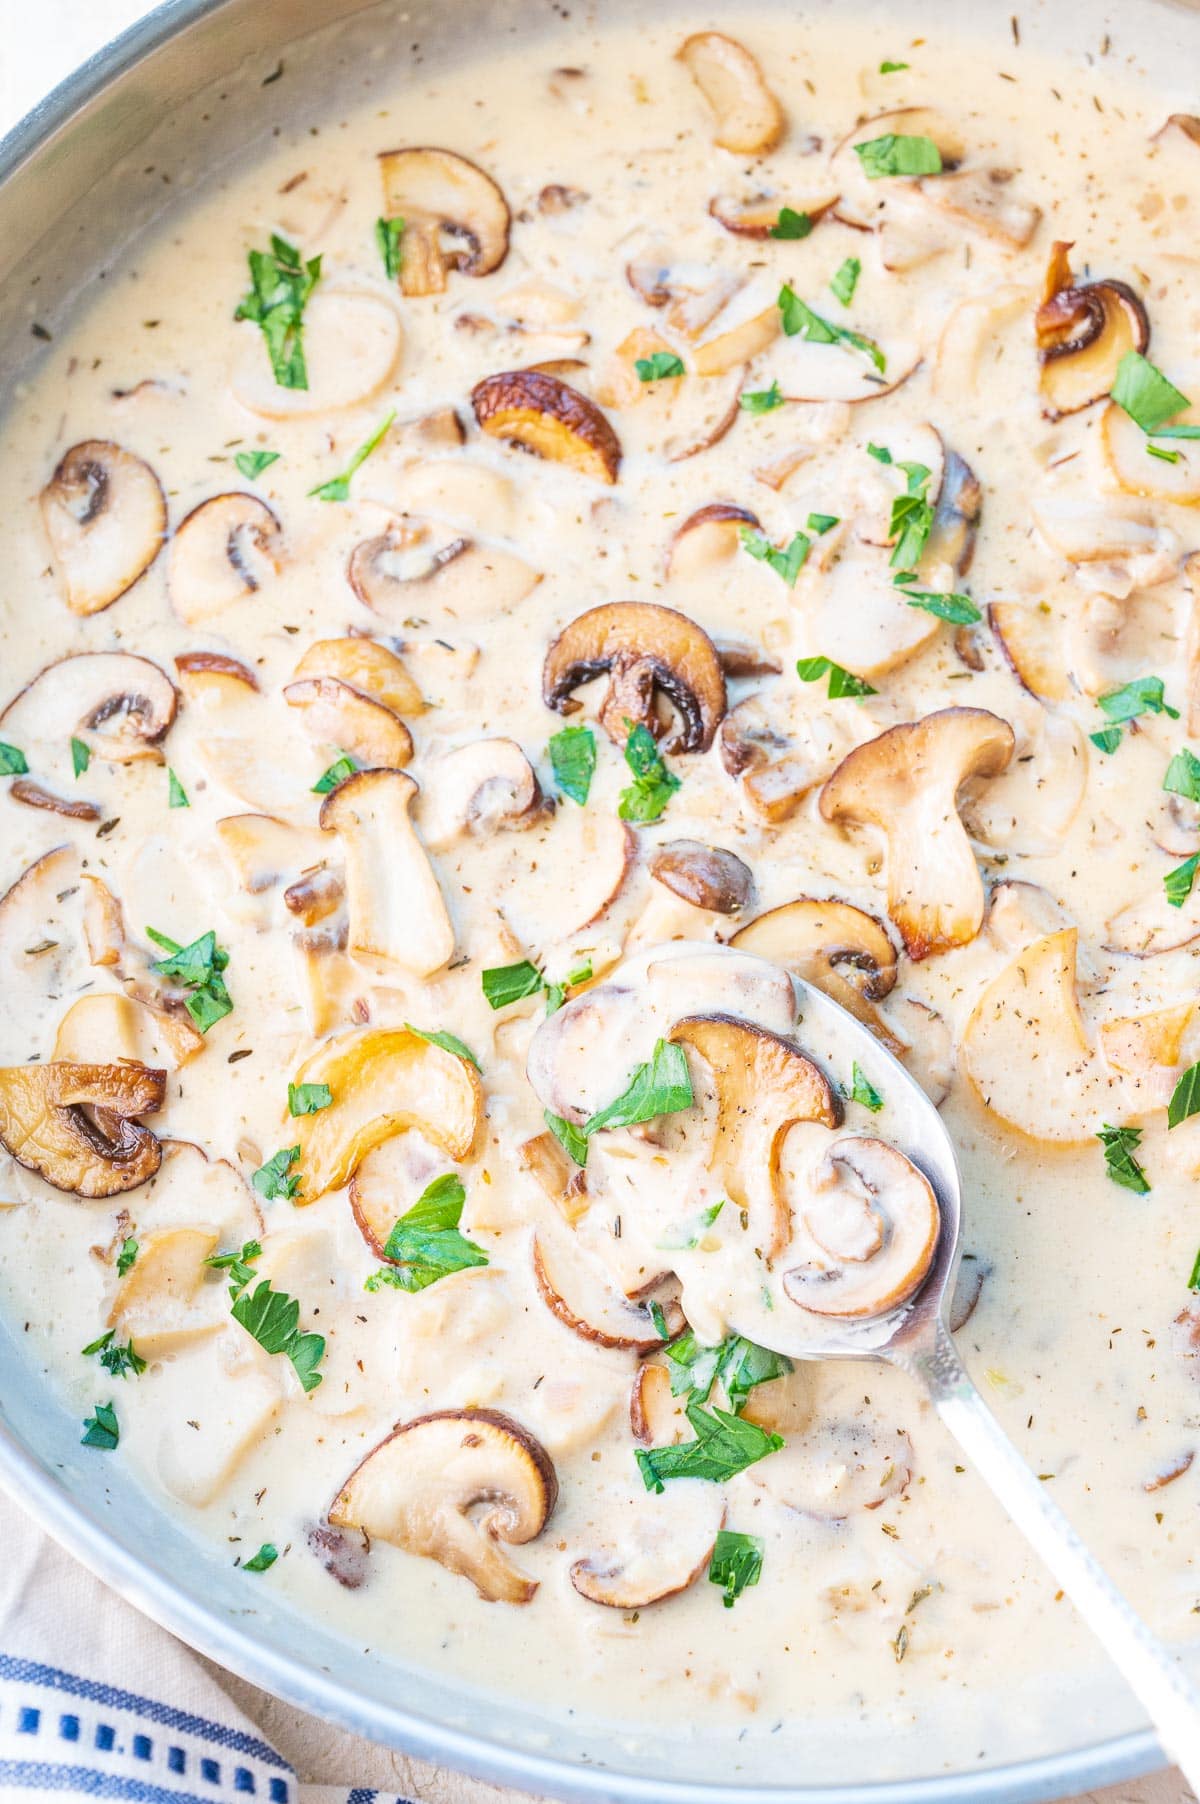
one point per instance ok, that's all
(573, 761)
(272, 1180)
(127, 1257)
(735, 1363)
(761, 400)
(911, 519)
(1144, 393)
(660, 366)
(845, 280)
(252, 463)
(308, 1099)
(176, 793)
(799, 321)
(1120, 1144)
(338, 487)
(959, 610)
(1185, 1098)
(889, 68)
(653, 784)
(863, 1090)
(661, 1086)
(822, 523)
(388, 234)
(240, 1266)
(102, 1429)
(1107, 739)
(572, 1139)
(896, 153)
(736, 1564)
(448, 1043)
(724, 1446)
(81, 756)
(786, 563)
(688, 1237)
(1183, 775)
(1178, 883)
(272, 1319)
(503, 984)
(1144, 695)
(1194, 1280)
(425, 1243)
(1163, 455)
(120, 1361)
(842, 682)
(12, 761)
(266, 1557)
(338, 771)
(281, 284)
(791, 224)
(198, 968)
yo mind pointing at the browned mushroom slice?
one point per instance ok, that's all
(418, 567)
(834, 946)
(119, 704)
(315, 896)
(76, 1126)
(748, 117)
(973, 1273)
(706, 876)
(367, 666)
(579, 1295)
(32, 795)
(155, 1304)
(549, 418)
(1031, 641)
(656, 1416)
(873, 1221)
(645, 648)
(226, 549)
(398, 917)
(756, 215)
(455, 217)
(1145, 1049)
(708, 539)
(764, 1085)
(337, 715)
(838, 1468)
(905, 783)
(956, 515)
(105, 517)
(1083, 330)
(198, 667)
(260, 850)
(450, 1486)
(742, 658)
(653, 1547)
(559, 1179)
(479, 788)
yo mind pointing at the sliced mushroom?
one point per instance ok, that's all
(837, 1469)
(873, 1221)
(417, 1490)
(748, 117)
(315, 896)
(260, 851)
(863, 201)
(334, 714)
(1083, 330)
(418, 567)
(705, 876)
(1145, 1049)
(367, 666)
(838, 948)
(653, 1547)
(808, 370)
(106, 1027)
(980, 331)
(560, 1181)
(978, 201)
(1020, 912)
(105, 516)
(1030, 807)
(352, 343)
(692, 294)
(756, 215)
(1150, 925)
(1124, 446)
(479, 788)
(119, 704)
(656, 1416)
(777, 769)
(1025, 1050)
(398, 918)
(32, 795)
(384, 1081)
(905, 783)
(442, 196)
(1126, 538)
(577, 1293)
(708, 539)
(955, 515)
(156, 1301)
(645, 648)
(973, 1273)
(764, 1086)
(77, 1127)
(1031, 641)
(855, 614)
(225, 549)
(209, 675)
(547, 417)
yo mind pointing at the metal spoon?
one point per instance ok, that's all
(918, 1341)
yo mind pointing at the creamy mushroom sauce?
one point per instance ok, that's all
(877, 1543)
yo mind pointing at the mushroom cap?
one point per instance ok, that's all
(905, 782)
(223, 551)
(352, 344)
(656, 647)
(578, 1295)
(335, 714)
(415, 1489)
(384, 1081)
(1083, 331)
(749, 119)
(654, 1547)
(75, 1124)
(119, 704)
(440, 194)
(840, 949)
(478, 788)
(548, 417)
(419, 564)
(706, 876)
(105, 516)
(874, 1222)
(398, 917)
(367, 666)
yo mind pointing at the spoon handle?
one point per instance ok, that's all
(1151, 1670)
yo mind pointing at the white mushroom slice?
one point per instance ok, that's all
(874, 1223)
(1031, 640)
(748, 117)
(1125, 445)
(387, 1180)
(1151, 925)
(979, 201)
(863, 200)
(837, 1469)
(975, 339)
(217, 1398)
(119, 704)
(656, 1416)
(1145, 1049)
(854, 613)
(334, 714)
(417, 568)
(468, 495)
(455, 217)
(398, 919)
(836, 947)
(107, 1027)
(1030, 807)
(368, 667)
(653, 1547)
(708, 540)
(1020, 912)
(808, 371)
(1112, 532)
(157, 1305)
(579, 1295)
(746, 326)
(1025, 1050)
(352, 344)
(764, 1086)
(259, 851)
(105, 517)
(42, 950)
(756, 215)
(226, 549)
(417, 1490)
(928, 1048)
(905, 783)
(479, 788)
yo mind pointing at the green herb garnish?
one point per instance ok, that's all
(272, 1181)
(799, 321)
(176, 793)
(724, 1446)
(1185, 1098)
(896, 153)
(198, 969)
(503, 984)
(786, 563)
(791, 224)
(845, 280)
(911, 519)
(272, 1319)
(266, 1556)
(388, 234)
(1145, 394)
(127, 1257)
(338, 771)
(572, 1139)
(338, 487)
(1107, 739)
(688, 1237)
(736, 1563)
(653, 784)
(81, 756)
(12, 761)
(308, 1099)
(117, 1359)
(1178, 883)
(1119, 1145)
(661, 1086)
(959, 610)
(761, 400)
(863, 1090)
(101, 1430)
(573, 761)
(1183, 775)
(889, 68)
(1144, 695)
(253, 463)
(1194, 1280)
(425, 1243)
(281, 286)
(822, 523)
(448, 1043)
(660, 366)
(842, 682)
(240, 1265)
(736, 1363)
